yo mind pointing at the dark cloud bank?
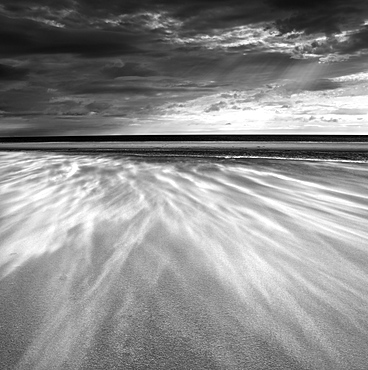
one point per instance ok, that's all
(143, 49)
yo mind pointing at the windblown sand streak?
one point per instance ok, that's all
(116, 262)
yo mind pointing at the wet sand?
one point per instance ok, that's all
(111, 261)
(204, 145)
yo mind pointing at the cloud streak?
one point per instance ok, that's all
(134, 57)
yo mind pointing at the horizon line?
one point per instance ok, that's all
(184, 137)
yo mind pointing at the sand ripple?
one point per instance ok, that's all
(115, 262)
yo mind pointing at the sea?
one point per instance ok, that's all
(201, 260)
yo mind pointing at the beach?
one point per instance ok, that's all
(110, 260)
(203, 145)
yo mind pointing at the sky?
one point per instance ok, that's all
(90, 67)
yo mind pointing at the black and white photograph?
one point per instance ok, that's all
(184, 184)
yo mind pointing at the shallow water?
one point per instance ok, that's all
(112, 262)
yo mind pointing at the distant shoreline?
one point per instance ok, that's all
(339, 147)
(185, 138)
(201, 146)
(345, 151)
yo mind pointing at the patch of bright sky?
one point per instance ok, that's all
(362, 76)
(272, 108)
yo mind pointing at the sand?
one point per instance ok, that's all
(253, 145)
(113, 262)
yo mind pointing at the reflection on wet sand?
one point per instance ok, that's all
(116, 262)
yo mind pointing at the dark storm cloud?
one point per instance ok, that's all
(205, 15)
(24, 36)
(12, 73)
(103, 87)
(127, 69)
(50, 126)
(188, 18)
(91, 57)
(192, 15)
(358, 41)
(299, 4)
(178, 8)
(313, 85)
(199, 13)
(325, 23)
(327, 16)
(22, 100)
(21, 5)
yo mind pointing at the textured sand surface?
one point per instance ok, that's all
(114, 262)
